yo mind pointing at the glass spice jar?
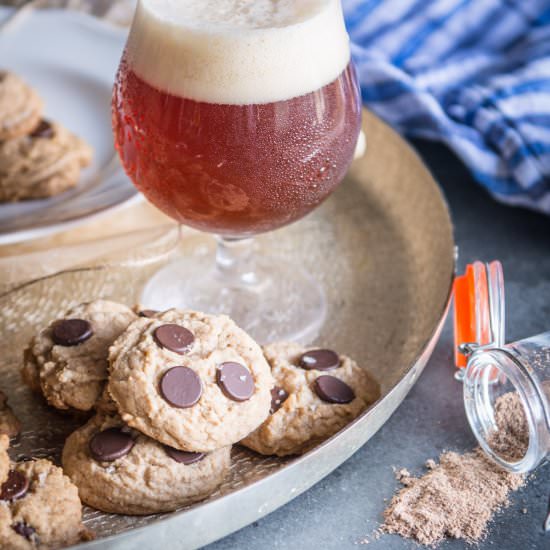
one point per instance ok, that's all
(497, 374)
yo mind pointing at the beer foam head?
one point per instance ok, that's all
(238, 51)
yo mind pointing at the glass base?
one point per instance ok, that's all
(274, 301)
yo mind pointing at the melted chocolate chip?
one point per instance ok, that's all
(319, 359)
(71, 332)
(175, 338)
(110, 444)
(235, 381)
(181, 387)
(21, 528)
(16, 486)
(148, 312)
(43, 130)
(183, 457)
(278, 397)
(333, 390)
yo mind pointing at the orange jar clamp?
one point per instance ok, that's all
(478, 310)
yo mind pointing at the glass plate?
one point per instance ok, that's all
(73, 70)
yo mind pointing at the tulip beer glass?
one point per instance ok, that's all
(236, 118)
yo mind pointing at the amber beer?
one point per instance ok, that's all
(203, 141)
(235, 169)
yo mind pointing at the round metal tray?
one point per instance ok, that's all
(381, 246)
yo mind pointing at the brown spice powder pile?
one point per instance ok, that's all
(459, 496)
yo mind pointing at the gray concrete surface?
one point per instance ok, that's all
(347, 506)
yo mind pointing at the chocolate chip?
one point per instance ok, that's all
(43, 130)
(148, 312)
(183, 457)
(16, 486)
(333, 390)
(71, 332)
(21, 528)
(110, 444)
(235, 381)
(278, 397)
(174, 338)
(181, 387)
(319, 359)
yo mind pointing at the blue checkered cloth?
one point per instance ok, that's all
(474, 74)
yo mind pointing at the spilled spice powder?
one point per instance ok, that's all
(459, 496)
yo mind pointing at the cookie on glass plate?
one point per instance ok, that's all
(192, 381)
(68, 361)
(41, 164)
(20, 107)
(39, 508)
(316, 393)
(119, 470)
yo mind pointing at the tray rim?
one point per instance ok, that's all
(404, 385)
(416, 368)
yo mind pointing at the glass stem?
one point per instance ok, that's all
(235, 263)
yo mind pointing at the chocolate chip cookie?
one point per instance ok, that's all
(316, 393)
(119, 470)
(39, 508)
(68, 361)
(41, 164)
(9, 424)
(20, 107)
(193, 381)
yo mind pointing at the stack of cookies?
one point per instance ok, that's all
(38, 158)
(171, 392)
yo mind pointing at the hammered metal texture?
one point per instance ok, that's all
(382, 248)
